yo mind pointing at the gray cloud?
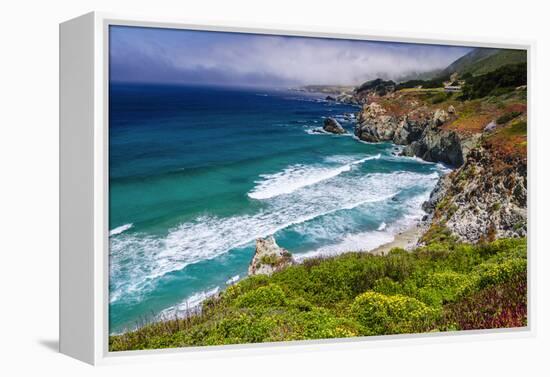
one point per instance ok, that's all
(161, 55)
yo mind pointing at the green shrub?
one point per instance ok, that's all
(321, 324)
(433, 287)
(270, 296)
(382, 314)
(496, 306)
(517, 128)
(387, 286)
(505, 118)
(443, 287)
(240, 328)
(500, 81)
(438, 98)
(496, 273)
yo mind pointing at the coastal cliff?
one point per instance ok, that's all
(484, 140)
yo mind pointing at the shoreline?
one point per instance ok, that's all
(406, 239)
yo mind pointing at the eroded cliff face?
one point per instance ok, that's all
(485, 197)
(419, 129)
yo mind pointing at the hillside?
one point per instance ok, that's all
(495, 61)
(482, 60)
(445, 286)
(464, 63)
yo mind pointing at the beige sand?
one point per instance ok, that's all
(406, 240)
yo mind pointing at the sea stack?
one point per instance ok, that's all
(269, 257)
(331, 125)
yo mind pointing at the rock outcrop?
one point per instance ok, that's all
(269, 257)
(331, 125)
(484, 199)
(378, 87)
(419, 130)
(373, 125)
(348, 99)
(435, 146)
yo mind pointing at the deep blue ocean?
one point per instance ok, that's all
(198, 173)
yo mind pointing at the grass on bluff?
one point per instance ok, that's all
(510, 140)
(440, 287)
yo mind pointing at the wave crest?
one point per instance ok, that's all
(137, 261)
(120, 229)
(297, 176)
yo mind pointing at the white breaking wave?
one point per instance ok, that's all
(364, 241)
(444, 168)
(232, 280)
(322, 132)
(137, 260)
(188, 305)
(316, 131)
(370, 240)
(120, 229)
(297, 176)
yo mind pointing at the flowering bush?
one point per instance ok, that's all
(270, 296)
(442, 286)
(382, 314)
(501, 305)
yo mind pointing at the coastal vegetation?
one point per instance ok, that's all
(442, 286)
(502, 80)
(469, 268)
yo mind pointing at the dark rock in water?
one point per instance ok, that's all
(331, 125)
(330, 98)
(269, 257)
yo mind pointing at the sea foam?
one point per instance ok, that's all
(370, 240)
(120, 229)
(187, 306)
(297, 176)
(138, 261)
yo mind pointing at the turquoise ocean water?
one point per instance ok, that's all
(198, 173)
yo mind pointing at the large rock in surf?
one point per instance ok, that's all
(269, 257)
(331, 125)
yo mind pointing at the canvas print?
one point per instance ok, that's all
(267, 188)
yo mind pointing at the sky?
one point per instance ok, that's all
(157, 55)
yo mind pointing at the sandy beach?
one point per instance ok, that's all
(406, 239)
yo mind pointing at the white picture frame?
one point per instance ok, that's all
(84, 233)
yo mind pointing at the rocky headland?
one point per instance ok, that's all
(483, 140)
